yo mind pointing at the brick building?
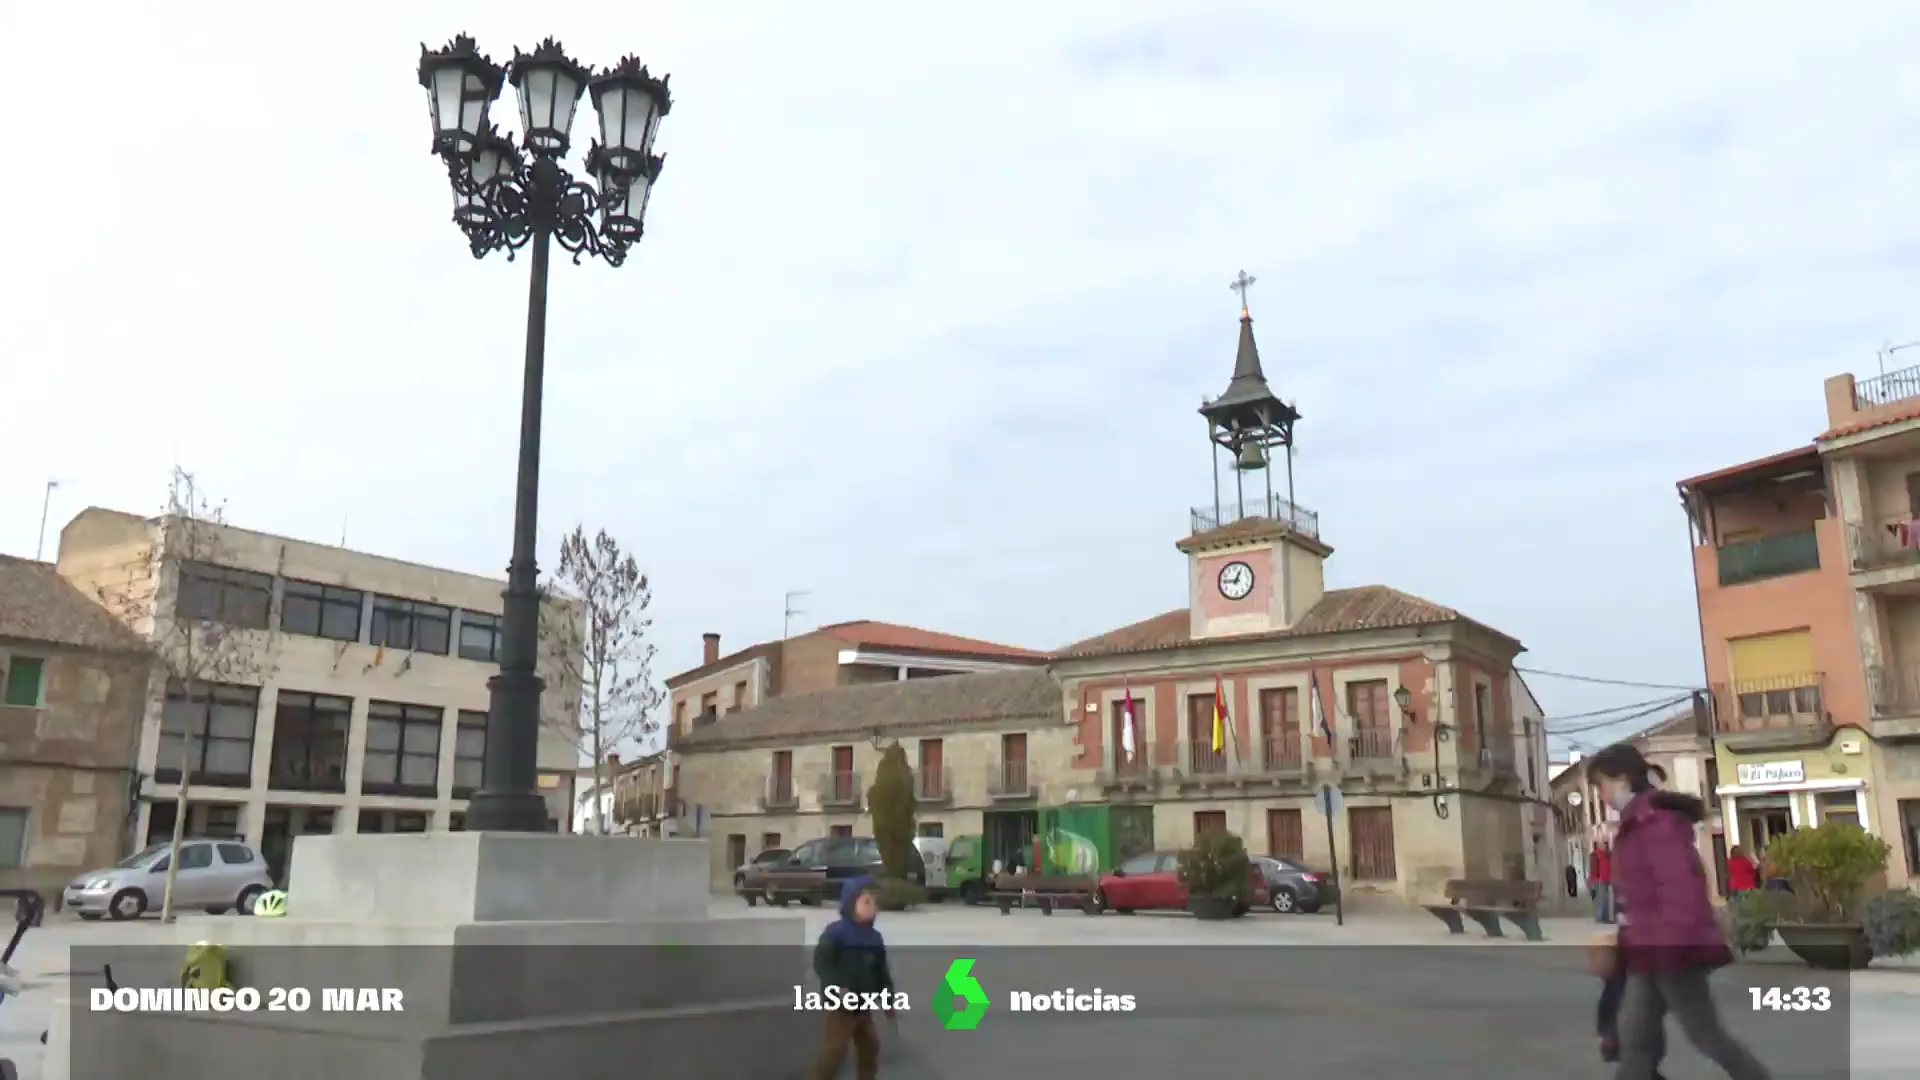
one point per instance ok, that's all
(1407, 708)
(860, 653)
(75, 686)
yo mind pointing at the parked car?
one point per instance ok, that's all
(1151, 882)
(814, 871)
(215, 876)
(773, 856)
(1292, 887)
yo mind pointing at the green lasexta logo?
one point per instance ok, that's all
(960, 983)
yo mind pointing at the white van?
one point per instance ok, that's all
(933, 853)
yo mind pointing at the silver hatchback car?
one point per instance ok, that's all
(215, 876)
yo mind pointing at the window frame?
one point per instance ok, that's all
(188, 850)
(408, 718)
(200, 706)
(478, 620)
(467, 721)
(231, 590)
(390, 612)
(17, 859)
(323, 598)
(291, 711)
(220, 849)
(7, 680)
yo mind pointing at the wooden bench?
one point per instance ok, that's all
(1487, 902)
(1046, 893)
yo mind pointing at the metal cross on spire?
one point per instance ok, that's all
(1240, 285)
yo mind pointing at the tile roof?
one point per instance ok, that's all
(1367, 607)
(891, 637)
(37, 604)
(855, 711)
(1799, 457)
(883, 635)
(1910, 410)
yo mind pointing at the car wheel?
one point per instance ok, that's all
(127, 904)
(249, 896)
(970, 893)
(739, 882)
(1284, 901)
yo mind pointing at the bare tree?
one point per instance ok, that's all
(201, 625)
(594, 623)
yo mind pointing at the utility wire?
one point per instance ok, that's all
(1615, 721)
(1606, 682)
(1614, 709)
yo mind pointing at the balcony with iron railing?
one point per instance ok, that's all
(1766, 557)
(840, 789)
(1199, 758)
(1757, 714)
(1373, 744)
(777, 792)
(1887, 389)
(1009, 779)
(933, 784)
(1884, 542)
(1896, 701)
(1281, 754)
(1256, 505)
(1137, 770)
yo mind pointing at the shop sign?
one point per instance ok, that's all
(1771, 773)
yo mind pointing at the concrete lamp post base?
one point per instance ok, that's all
(467, 956)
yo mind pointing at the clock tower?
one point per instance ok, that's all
(1256, 562)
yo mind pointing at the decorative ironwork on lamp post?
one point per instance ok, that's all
(508, 195)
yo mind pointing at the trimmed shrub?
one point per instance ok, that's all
(1216, 865)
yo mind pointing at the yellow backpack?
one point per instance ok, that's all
(205, 967)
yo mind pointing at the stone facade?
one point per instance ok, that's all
(76, 686)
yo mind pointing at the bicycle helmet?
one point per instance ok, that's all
(271, 905)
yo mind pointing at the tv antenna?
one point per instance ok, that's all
(792, 608)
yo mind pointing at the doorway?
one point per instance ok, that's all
(1761, 819)
(1370, 843)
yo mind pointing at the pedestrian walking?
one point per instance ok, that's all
(851, 958)
(1600, 881)
(1671, 940)
(1743, 874)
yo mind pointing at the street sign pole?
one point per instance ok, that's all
(1328, 804)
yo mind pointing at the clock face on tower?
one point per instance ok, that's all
(1236, 580)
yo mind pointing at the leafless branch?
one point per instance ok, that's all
(196, 647)
(594, 625)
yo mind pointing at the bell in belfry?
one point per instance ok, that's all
(1251, 458)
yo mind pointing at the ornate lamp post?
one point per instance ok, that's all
(507, 196)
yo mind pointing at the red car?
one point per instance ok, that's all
(1152, 883)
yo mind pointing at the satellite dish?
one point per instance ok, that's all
(1574, 799)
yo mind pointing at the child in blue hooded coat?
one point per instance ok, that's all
(851, 958)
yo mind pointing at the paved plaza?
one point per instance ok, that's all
(1388, 994)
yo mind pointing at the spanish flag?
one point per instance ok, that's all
(1219, 716)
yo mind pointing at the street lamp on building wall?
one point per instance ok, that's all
(508, 195)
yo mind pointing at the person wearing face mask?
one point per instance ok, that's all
(1671, 940)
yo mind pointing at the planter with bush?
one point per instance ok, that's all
(1215, 872)
(1892, 923)
(1829, 870)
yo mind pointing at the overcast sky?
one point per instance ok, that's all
(928, 298)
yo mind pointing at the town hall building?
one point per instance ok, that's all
(1403, 715)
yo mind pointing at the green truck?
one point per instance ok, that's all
(1085, 840)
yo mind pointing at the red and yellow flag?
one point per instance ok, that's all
(1219, 716)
